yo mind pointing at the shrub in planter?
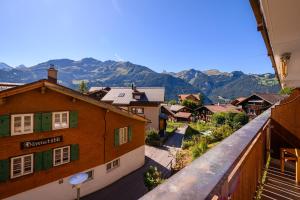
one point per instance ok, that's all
(152, 178)
(152, 136)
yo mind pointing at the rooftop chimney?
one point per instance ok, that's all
(52, 74)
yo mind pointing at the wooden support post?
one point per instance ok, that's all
(282, 160)
(297, 165)
(43, 90)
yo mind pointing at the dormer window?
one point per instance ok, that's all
(137, 96)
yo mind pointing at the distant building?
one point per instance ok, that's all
(177, 113)
(236, 101)
(205, 112)
(192, 97)
(259, 102)
(49, 132)
(143, 101)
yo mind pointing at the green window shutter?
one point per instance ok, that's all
(116, 137)
(73, 119)
(47, 159)
(74, 152)
(4, 170)
(46, 121)
(38, 161)
(37, 122)
(4, 125)
(129, 134)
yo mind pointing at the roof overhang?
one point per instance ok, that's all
(278, 22)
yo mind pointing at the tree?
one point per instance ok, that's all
(218, 119)
(200, 99)
(190, 104)
(172, 102)
(83, 87)
(239, 120)
(286, 91)
(152, 178)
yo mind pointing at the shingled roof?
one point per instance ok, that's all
(269, 97)
(125, 95)
(221, 108)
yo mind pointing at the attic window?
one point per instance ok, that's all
(121, 95)
(137, 96)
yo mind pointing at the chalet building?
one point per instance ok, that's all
(257, 103)
(205, 112)
(49, 132)
(177, 113)
(192, 97)
(143, 101)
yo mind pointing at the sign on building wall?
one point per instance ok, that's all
(41, 142)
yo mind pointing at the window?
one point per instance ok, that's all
(61, 155)
(137, 110)
(137, 96)
(21, 124)
(60, 120)
(21, 165)
(121, 95)
(90, 175)
(123, 135)
(112, 165)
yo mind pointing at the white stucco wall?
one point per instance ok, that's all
(64, 191)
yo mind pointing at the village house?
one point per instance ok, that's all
(6, 85)
(196, 98)
(205, 112)
(257, 103)
(177, 113)
(47, 132)
(143, 101)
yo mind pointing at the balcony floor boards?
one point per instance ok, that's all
(280, 186)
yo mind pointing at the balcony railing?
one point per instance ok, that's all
(232, 169)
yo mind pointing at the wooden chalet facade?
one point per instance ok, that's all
(177, 113)
(257, 103)
(49, 132)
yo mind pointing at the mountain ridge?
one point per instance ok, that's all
(117, 73)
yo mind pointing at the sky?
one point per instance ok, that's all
(171, 35)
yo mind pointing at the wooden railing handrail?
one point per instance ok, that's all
(208, 174)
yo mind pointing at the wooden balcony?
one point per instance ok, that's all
(234, 169)
(280, 186)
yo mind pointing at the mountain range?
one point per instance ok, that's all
(213, 84)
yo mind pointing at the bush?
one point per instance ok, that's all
(221, 132)
(187, 143)
(239, 120)
(218, 119)
(286, 91)
(190, 104)
(152, 136)
(152, 178)
(199, 148)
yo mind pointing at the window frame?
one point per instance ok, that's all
(123, 135)
(61, 154)
(13, 133)
(135, 110)
(22, 165)
(112, 166)
(60, 118)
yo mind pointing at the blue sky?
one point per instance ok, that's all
(167, 35)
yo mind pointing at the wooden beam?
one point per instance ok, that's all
(2, 101)
(43, 90)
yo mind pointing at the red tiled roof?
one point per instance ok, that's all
(222, 108)
(184, 96)
(183, 115)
